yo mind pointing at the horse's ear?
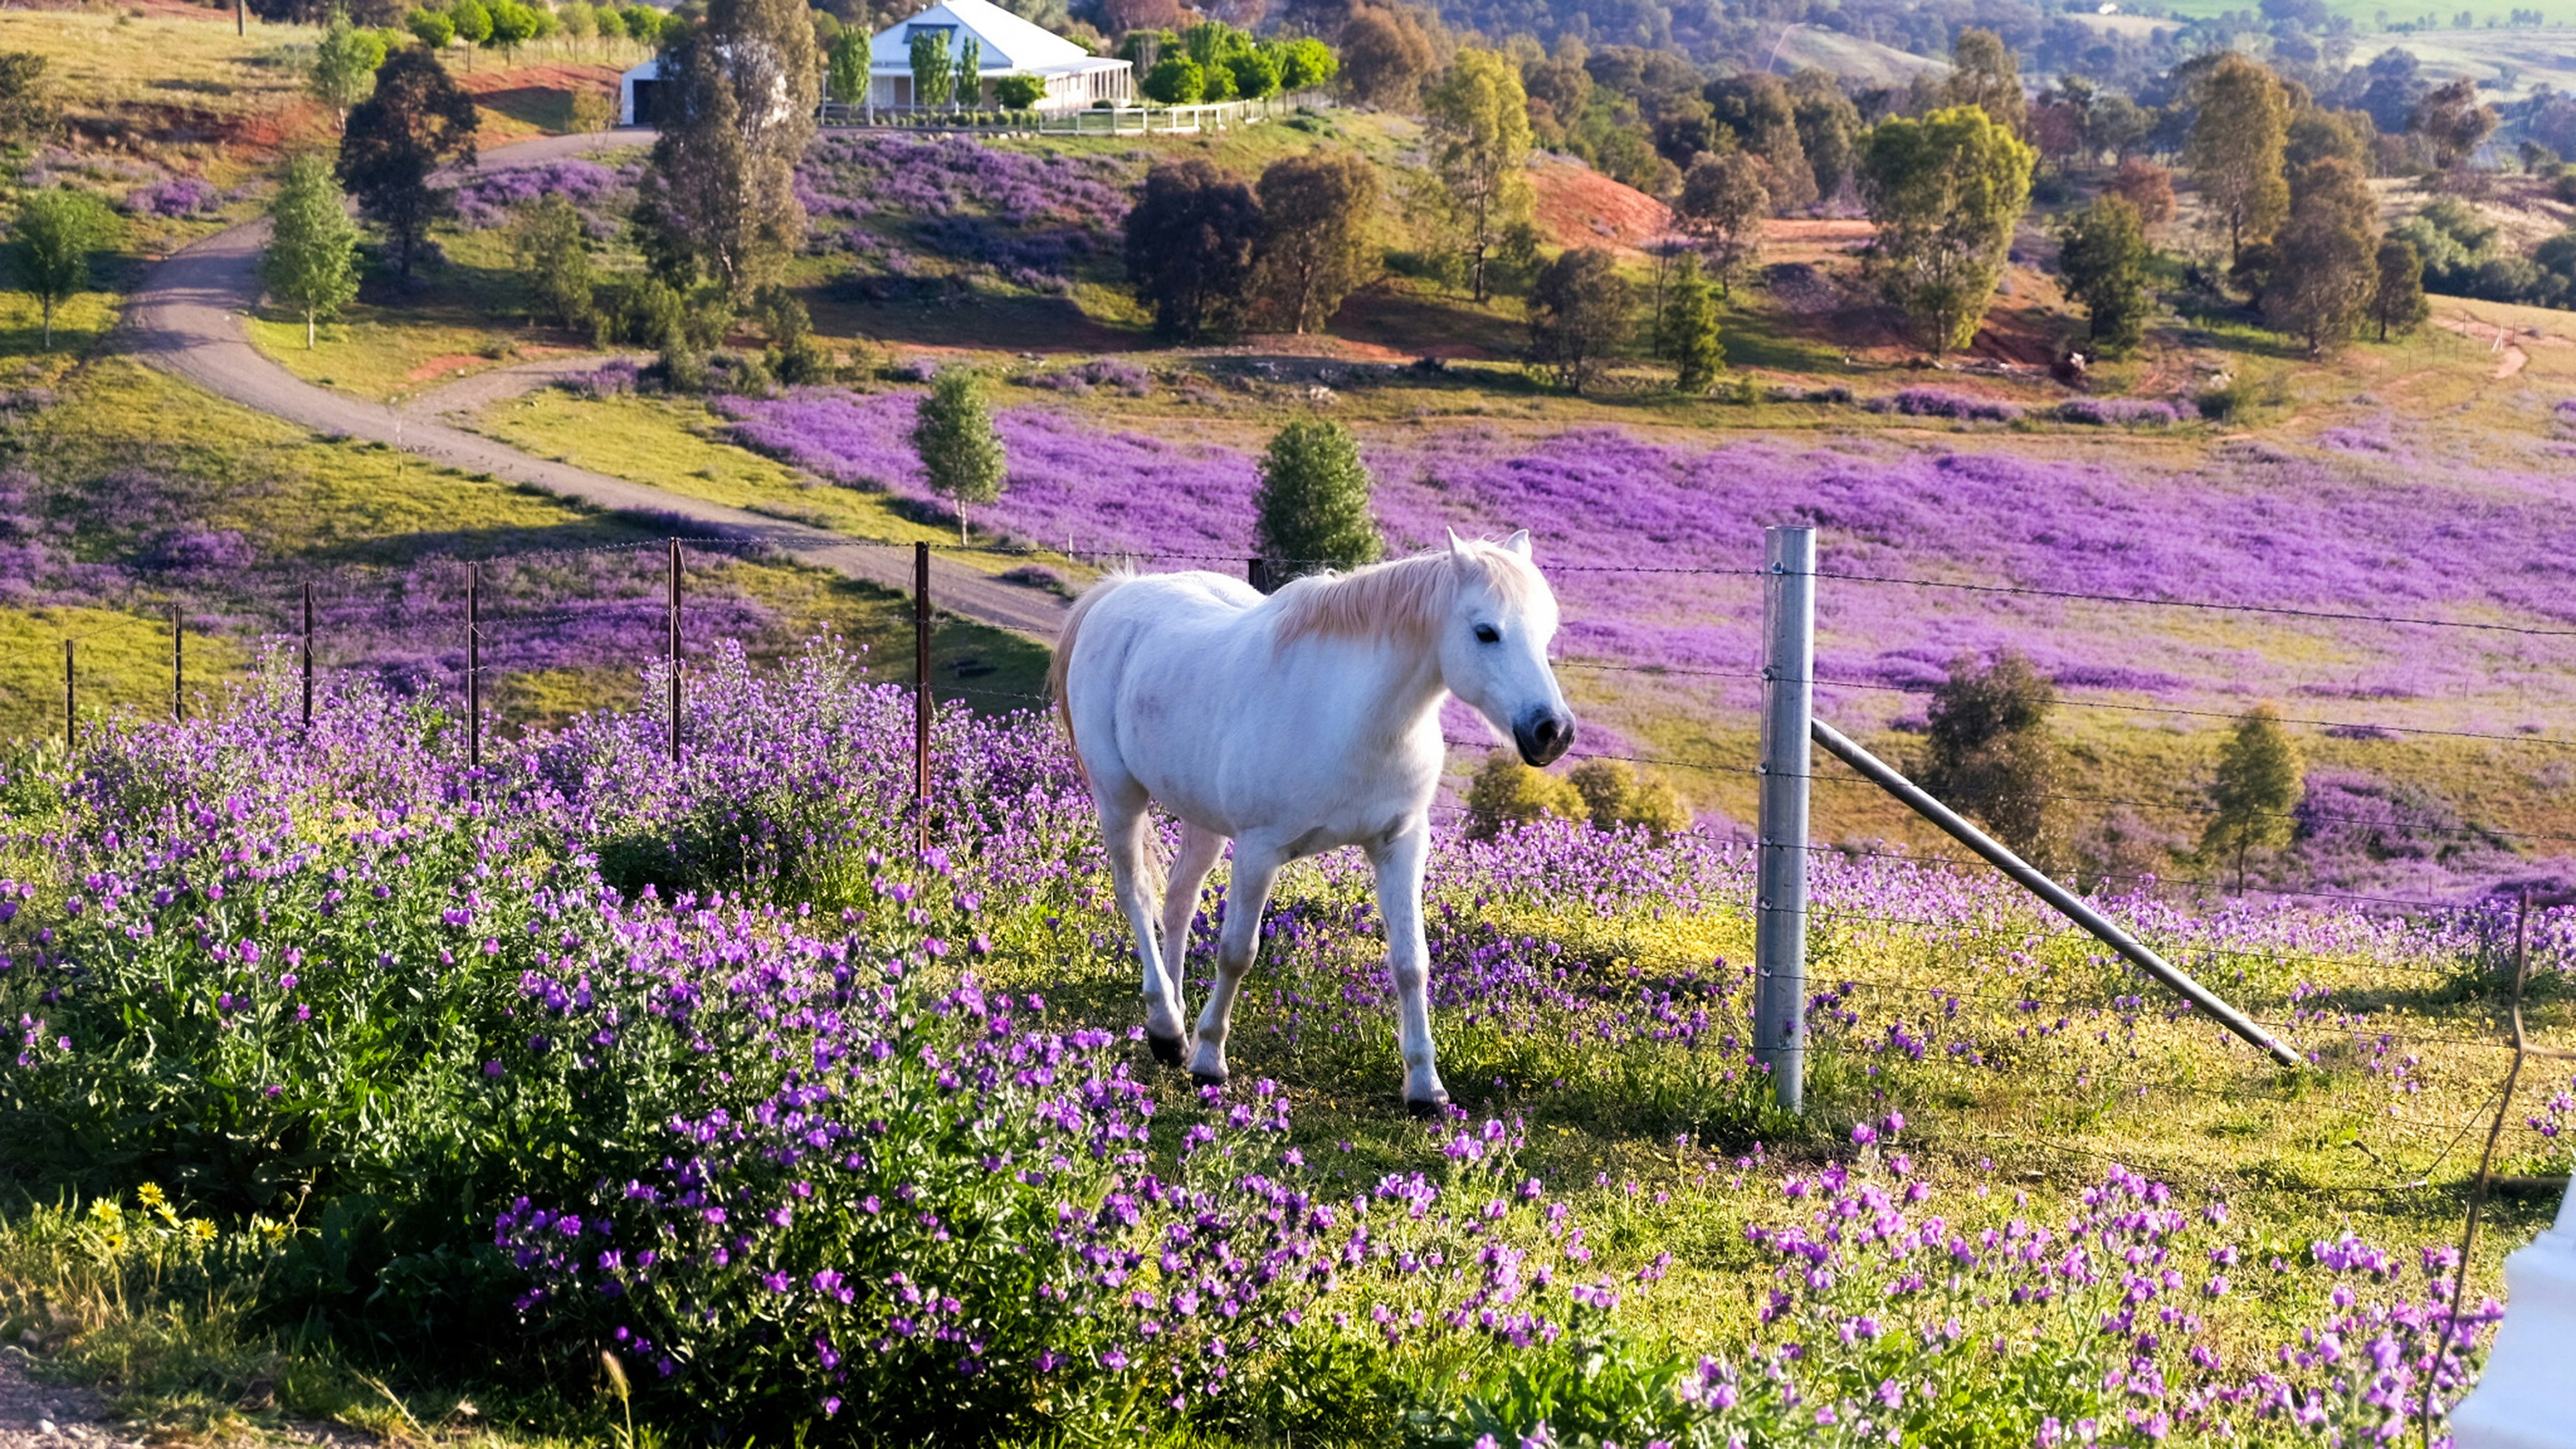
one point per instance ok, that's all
(1519, 543)
(1457, 546)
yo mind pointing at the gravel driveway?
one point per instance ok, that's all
(186, 319)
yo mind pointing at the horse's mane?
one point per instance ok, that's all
(1406, 595)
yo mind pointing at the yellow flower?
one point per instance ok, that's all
(150, 1193)
(106, 1212)
(115, 1243)
(201, 1230)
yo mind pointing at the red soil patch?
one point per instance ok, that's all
(485, 84)
(1580, 207)
(443, 365)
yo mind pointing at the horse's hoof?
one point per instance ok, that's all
(1206, 1080)
(1171, 1051)
(1428, 1109)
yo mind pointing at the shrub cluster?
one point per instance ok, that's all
(1605, 793)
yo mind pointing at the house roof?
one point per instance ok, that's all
(1006, 41)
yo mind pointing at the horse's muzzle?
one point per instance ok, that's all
(1543, 735)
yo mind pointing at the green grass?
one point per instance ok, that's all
(325, 503)
(470, 315)
(678, 444)
(120, 662)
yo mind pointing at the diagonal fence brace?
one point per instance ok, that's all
(2068, 904)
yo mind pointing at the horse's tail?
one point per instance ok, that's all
(1062, 664)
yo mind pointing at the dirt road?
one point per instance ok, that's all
(186, 319)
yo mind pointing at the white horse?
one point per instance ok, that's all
(1291, 725)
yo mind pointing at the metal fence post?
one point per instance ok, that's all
(675, 651)
(308, 655)
(473, 668)
(178, 665)
(1780, 853)
(71, 703)
(1257, 573)
(921, 697)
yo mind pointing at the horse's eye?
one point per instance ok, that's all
(1486, 634)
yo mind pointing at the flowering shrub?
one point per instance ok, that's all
(489, 198)
(1933, 402)
(2118, 412)
(174, 196)
(1109, 372)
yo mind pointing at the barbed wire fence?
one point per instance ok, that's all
(455, 625)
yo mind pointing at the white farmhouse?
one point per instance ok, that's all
(1008, 45)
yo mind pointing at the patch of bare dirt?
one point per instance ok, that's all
(1580, 207)
(50, 1416)
(483, 84)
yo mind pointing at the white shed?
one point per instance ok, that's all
(635, 93)
(1006, 45)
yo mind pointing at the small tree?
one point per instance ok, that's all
(1190, 240)
(2103, 252)
(2327, 257)
(1480, 134)
(1686, 329)
(847, 76)
(472, 24)
(312, 259)
(644, 24)
(28, 112)
(2454, 121)
(1314, 249)
(1945, 192)
(2259, 780)
(1578, 311)
(1175, 80)
(50, 245)
(1983, 74)
(2235, 151)
(2397, 303)
(1017, 92)
(433, 28)
(968, 89)
(1724, 207)
(513, 25)
(551, 244)
(344, 65)
(1306, 63)
(931, 75)
(960, 453)
(1988, 752)
(417, 121)
(2146, 186)
(1386, 55)
(1312, 512)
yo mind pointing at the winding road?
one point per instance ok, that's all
(187, 319)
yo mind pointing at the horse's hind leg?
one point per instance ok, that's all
(1199, 850)
(1126, 828)
(1255, 867)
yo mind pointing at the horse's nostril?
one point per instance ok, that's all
(1547, 732)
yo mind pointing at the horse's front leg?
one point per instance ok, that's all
(1256, 866)
(1400, 865)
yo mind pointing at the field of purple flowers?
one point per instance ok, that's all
(2254, 526)
(904, 205)
(706, 1065)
